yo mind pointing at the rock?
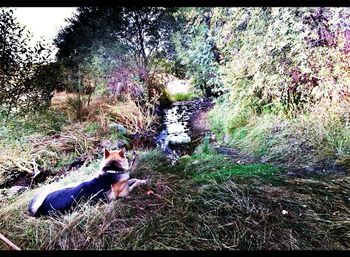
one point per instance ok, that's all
(226, 138)
(16, 190)
(344, 162)
(118, 127)
(181, 138)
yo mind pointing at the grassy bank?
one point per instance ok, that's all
(320, 137)
(178, 211)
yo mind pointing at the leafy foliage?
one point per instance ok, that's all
(287, 59)
(23, 69)
(197, 50)
(286, 73)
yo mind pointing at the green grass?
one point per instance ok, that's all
(183, 96)
(320, 137)
(206, 165)
(41, 122)
(225, 173)
(213, 166)
(92, 127)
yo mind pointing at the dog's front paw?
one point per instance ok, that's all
(138, 182)
(143, 181)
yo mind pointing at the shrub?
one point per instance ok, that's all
(196, 50)
(285, 70)
(135, 117)
(77, 108)
(304, 62)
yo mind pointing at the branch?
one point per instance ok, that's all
(133, 162)
(7, 241)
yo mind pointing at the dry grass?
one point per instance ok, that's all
(48, 150)
(47, 154)
(319, 137)
(135, 117)
(59, 99)
(74, 106)
(45, 150)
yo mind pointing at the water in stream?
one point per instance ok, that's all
(176, 132)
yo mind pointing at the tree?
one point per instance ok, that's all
(100, 41)
(196, 50)
(147, 31)
(19, 67)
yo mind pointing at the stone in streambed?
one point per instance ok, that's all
(16, 190)
(118, 127)
(181, 138)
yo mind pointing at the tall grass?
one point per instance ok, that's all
(136, 117)
(317, 137)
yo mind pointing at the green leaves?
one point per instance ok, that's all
(20, 68)
(196, 50)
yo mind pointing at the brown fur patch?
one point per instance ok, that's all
(121, 188)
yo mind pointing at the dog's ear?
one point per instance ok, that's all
(122, 153)
(106, 153)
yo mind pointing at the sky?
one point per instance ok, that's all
(43, 21)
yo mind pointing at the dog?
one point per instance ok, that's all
(110, 182)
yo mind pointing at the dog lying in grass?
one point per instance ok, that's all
(111, 181)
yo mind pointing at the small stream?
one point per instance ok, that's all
(177, 137)
(176, 132)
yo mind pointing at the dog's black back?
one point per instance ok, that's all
(64, 199)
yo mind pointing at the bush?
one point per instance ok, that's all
(196, 50)
(304, 63)
(285, 72)
(77, 108)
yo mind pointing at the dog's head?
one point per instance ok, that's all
(116, 165)
(114, 162)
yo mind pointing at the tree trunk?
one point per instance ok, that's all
(141, 40)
